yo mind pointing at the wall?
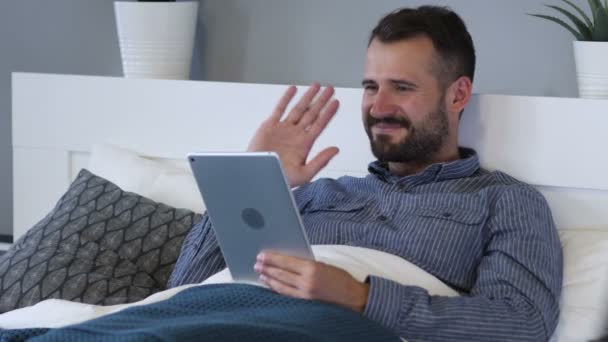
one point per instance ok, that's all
(274, 41)
(292, 41)
(59, 36)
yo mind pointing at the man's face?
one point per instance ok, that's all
(403, 104)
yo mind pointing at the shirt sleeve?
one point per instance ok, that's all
(515, 296)
(200, 256)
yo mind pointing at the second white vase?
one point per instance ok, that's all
(592, 69)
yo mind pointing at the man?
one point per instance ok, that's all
(425, 199)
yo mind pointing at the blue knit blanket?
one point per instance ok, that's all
(228, 312)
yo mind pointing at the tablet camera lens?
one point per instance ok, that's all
(253, 218)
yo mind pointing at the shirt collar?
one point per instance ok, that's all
(466, 166)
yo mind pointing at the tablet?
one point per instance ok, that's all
(251, 208)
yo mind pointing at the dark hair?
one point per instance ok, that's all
(446, 30)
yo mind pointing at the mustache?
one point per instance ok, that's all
(391, 120)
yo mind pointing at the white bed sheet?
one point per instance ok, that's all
(359, 262)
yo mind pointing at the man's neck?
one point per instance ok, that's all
(414, 167)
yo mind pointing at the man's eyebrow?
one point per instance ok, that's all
(366, 82)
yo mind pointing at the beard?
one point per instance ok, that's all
(421, 143)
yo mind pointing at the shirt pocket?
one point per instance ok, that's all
(448, 241)
(350, 210)
(453, 216)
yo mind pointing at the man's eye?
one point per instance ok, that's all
(370, 88)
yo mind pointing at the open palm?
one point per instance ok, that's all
(292, 137)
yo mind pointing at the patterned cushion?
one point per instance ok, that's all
(99, 245)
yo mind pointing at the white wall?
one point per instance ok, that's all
(275, 41)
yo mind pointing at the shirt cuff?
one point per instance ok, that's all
(387, 300)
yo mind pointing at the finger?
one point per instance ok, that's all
(283, 276)
(280, 287)
(281, 107)
(300, 108)
(285, 262)
(324, 118)
(313, 113)
(321, 160)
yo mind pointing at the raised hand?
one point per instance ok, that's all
(292, 137)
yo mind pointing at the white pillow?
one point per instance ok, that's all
(178, 189)
(361, 262)
(584, 300)
(158, 180)
(124, 168)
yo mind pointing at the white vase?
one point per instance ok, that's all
(156, 38)
(592, 69)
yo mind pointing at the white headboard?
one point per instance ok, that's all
(554, 143)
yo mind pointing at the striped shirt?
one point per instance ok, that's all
(485, 234)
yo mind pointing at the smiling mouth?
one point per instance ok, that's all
(384, 128)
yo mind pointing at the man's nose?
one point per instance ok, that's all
(383, 105)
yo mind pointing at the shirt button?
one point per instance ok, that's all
(447, 215)
(382, 218)
(330, 207)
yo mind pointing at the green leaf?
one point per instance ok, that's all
(600, 29)
(582, 28)
(595, 6)
(581, 12)
(562, 23)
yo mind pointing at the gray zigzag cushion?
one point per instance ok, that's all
(99, 245)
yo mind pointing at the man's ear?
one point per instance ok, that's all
(458, 94)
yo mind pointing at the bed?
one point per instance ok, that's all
(552, 143)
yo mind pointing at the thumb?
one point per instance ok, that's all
(320, 161)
